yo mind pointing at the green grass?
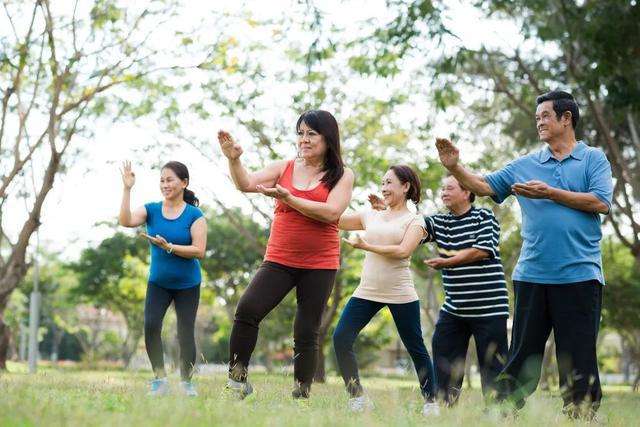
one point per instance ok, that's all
(116, 398)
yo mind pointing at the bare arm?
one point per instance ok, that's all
(450, 159)
(329, 211)
(404, 250)
(198, 244)
(351, 221)
(244, 180)
(127, 218)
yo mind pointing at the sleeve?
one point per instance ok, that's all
(196, 214)
(430, 228)
(150, 212)
(365, 215)
(418, 221)
(488, 235)
(501, 181)
(599, 175)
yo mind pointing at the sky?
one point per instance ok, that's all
(90, 192)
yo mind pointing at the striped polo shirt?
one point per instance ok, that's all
(476, 289)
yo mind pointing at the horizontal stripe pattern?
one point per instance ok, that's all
(478, 289)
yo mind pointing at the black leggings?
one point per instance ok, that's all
(268, 288)
(157, 302)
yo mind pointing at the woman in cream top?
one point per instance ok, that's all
(391, 236)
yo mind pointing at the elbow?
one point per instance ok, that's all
(402, 254)
(332, 217)
(602, 208)
(123, 222)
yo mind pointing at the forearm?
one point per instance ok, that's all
(239, 175)
(188, 251)
(125, 208)
(319, 211)
(585, 202)
(472, 182)
(466, 256)
(391, 251)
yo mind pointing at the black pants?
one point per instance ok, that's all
(268, 288)
(450, 344)
(156, 304)
(572, 311)
(356, 315)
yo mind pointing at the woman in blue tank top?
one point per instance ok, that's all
(177, 232)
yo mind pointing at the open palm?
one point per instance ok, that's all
(128, 176)
(231, 149)
(449, 153)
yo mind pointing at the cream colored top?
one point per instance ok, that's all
(385, 279)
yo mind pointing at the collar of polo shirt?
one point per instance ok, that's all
(577, 153)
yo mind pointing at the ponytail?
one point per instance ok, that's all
(190, 197)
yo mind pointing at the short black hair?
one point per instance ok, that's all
(562, 101)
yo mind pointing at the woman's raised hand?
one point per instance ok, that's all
(376, 202)
(231, 149)
(128, 177)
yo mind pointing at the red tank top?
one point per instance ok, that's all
(297, 240)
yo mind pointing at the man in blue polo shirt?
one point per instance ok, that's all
(562, 189)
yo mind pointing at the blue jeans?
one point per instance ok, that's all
(356, 315)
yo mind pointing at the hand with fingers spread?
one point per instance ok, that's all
(128, 176)
(437, 263)
(277, 192)
(231, 149)
(532, 189)
(355, 241)
(449, 153)
(376, 202)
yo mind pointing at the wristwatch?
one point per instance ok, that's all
(170, 250)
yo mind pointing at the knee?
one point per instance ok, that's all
(306, 338)
(152, 325)
(248, 312)
(342, 340)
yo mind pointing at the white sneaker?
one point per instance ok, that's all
(360, 404)
(159, 387)
(431, 409)
(239, 389)
(188, 389)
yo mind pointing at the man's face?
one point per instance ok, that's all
(548, 125)
(452, 194)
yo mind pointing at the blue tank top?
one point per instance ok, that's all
(169, 270)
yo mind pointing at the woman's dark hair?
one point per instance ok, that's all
(406, 174)
(326, 125)
(182, 172)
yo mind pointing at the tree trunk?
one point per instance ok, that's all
(4, 335)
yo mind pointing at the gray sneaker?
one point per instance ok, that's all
(188, 389)
(431, 409)
(159, 387)
(360, 404)
(240, 389)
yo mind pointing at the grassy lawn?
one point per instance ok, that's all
(116, 398)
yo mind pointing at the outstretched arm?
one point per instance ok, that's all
(450, 159)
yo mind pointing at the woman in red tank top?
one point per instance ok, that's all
(303, 251)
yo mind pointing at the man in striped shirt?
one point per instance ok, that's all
(476, 298)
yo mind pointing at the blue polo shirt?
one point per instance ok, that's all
(559, 244)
